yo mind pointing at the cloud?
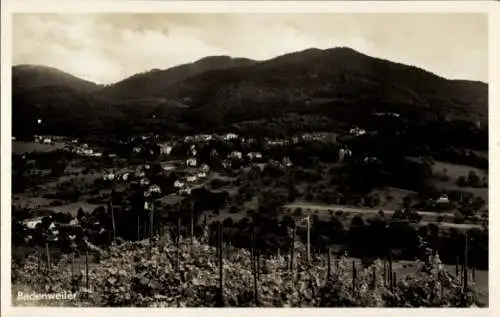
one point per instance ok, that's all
(106, 48)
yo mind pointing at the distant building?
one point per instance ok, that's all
(230, 136)
(109, 176)
(178, 184)
(191, 162)
(185, 191)
(137, 150)
(443, 199)
(201, 175)
(254, 155)
(205, 168)
(191, 178)
(236, 155)
(287, 162)
(357, 131)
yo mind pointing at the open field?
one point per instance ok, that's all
(324, 211)
(26, 147)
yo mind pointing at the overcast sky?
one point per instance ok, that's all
(106, 48)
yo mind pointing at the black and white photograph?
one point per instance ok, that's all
(248, 159)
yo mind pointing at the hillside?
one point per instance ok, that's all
(339, 84)
(150, 83)
(26, 77)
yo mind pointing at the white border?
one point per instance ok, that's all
(492, 8)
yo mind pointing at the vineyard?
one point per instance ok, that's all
(166, 272)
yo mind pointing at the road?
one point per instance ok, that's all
(334, 208)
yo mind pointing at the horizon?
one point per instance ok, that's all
(97, 47)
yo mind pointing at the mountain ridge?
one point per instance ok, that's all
(339, 83)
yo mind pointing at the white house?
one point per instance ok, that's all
(125, 176)
(254, 155)
(191, 178)
(230, 136)
(165, 149)
(357, 131)
(443, 199)
(236, 155)
(109, 176)
(32, 223)
(47, 141)
(137, 149)
(88, 152)
(178, 184)
(154, 189)
(192, 162)
(201, 175)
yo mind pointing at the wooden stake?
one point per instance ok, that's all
(110, 206)
(466, 251)
(329, 274)
(374, 278)
(177, 242)
(48, 255)
(87, 285)
(221, 271)
(138, 228)
(292, 248)
(394, 280)
(192, 227)
(390, 271)
(353, 278)
(308, 240)
(385, 273)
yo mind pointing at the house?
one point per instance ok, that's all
(32, 223)
(137, 150)
(202, 175)
(205, 168)
(357, 131)
(287, 162)
(235, 155)
(139, 173)
(125, 176)
(144, 181)
(185, 191)
(191, 178)
(443, 199)
(178, 184)
(165, 149)
(88, 152)
(230, 136)
(109, 176)
(97, 154)
(154, 189)
(47, 141)
(254, 155)
(192, 162)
